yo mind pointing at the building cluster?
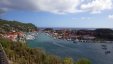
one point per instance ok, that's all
(72, 34)
(14, 36)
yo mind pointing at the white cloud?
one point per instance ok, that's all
(96, 6)
(3, 10)
(81, 18)
(58, 6)
(54, 6)
(74, 18)
(85, 18)
(110, 16)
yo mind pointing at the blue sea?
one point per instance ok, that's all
(64, 48)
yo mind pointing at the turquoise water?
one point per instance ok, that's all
(63, 48)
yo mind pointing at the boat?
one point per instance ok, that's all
(74, 42)
(104, 48)
(104, 45)
(30, 37)
(107, 52)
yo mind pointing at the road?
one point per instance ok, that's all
(3, 57)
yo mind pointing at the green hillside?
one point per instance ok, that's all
(7, 26)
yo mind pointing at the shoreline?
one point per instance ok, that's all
(82, 41)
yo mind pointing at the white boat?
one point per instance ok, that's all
(30, 37)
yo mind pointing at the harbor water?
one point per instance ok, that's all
(96, 52)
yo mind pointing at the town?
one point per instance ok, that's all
(17, 31)
(84, 35)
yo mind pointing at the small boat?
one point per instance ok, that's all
(74, 42)
(30, 37)
(104, 45)
(107, 52)
(104, 48)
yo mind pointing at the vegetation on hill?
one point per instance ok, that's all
(20, 53)
(7, 26)
(104, 34)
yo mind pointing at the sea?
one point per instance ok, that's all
(63, 48)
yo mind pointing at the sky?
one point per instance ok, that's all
(59, 13)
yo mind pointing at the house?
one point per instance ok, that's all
(15, 36)
(87, 37)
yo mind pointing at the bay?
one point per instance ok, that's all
(64, 48)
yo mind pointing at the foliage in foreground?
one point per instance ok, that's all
(20, 53)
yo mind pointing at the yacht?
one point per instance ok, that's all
(30, 37)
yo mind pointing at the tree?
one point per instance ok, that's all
(104, 34)
(83, 61)
(68, 61)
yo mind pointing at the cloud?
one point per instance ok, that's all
(82, 18)
(96, 6)
(2, 10)
(110, 16)
(58, 6)
(17, 4)
(53, 6)
(85, 18)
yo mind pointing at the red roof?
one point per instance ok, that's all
(14, 33)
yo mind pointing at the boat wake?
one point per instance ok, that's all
(55, 43)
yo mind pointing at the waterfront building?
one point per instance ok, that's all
(15, 36)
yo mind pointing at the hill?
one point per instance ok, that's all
(8, 26)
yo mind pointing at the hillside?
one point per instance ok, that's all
(8, 26)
